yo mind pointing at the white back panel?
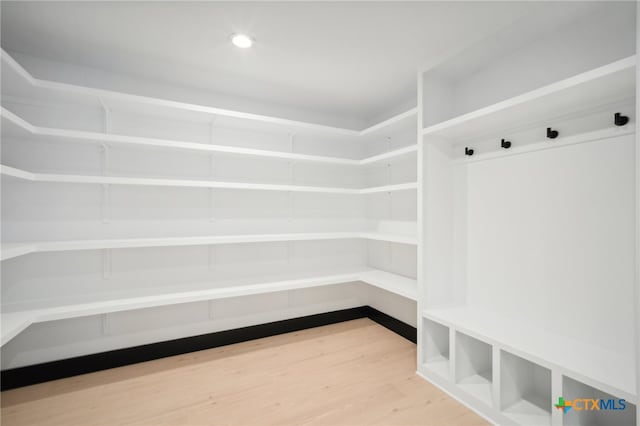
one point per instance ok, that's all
(550, 239)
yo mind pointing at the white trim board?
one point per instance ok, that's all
(11, 250)
(13, 172)
(594, 136)
(80, 136)
(15, 322)
(101, 94)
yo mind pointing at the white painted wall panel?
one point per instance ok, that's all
(549, 239)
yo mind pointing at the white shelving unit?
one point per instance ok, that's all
(526, 250)
(117, 205)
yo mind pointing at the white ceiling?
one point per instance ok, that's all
(354, 59)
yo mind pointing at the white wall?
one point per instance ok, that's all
(69, 73)
(549, 239)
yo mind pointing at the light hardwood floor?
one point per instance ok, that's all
(352, 373)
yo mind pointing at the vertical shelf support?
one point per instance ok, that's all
(212, 256)
(212, 204)
(291, 199)
(292, 146)
(291, 177)
(106, 188)
(211, 309)
(104, 162)
(212, 171)
(289, 251)
(106, 264)
(106, 117)
(104, 324)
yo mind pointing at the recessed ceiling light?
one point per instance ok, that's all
(242, 41)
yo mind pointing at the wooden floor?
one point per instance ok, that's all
(352, 373)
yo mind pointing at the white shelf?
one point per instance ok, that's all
(403, 286)
(14, 75)
(10, 250)
(389, 188)
(13, 172)
(15, 322)
(407, 150)
(592, 364)
(603, 85)
(395, 121)
(390, 238)
(17, 125)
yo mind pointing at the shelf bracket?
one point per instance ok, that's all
(106, 188)
(104, 324)
(292, 140)
(106, 264)
(292, 149)
(106, 117)
(292, 202)
(289, 252)
(290, 298)
(212, 204)
(212, 141)
(211, 309)
(212, 256)
(106, 201)
(212, 170)
(292, 177)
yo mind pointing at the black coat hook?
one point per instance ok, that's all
(468, 151)
(619, 119)
(552, 134)
(505, 144)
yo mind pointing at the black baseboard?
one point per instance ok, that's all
(402, 328)
(39, 373)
